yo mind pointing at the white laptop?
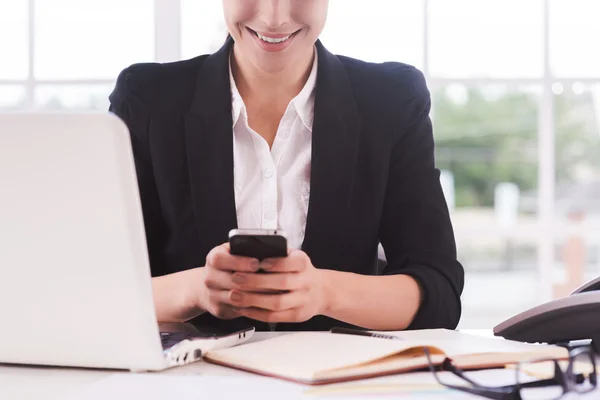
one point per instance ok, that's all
(75, 286)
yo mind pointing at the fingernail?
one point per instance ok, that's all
(254, 265)
(239, 279)
(266, 264)
(235, 296)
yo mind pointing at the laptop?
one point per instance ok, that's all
(75, 282)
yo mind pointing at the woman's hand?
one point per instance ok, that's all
(292, 290)
(217, 280)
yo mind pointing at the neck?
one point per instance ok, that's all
(268, 87)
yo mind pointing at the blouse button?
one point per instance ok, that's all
(268, 172)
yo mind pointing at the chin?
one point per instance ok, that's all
(272, 63)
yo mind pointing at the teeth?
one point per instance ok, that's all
(272, 40)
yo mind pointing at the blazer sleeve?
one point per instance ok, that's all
(416, 232)
(132, 100)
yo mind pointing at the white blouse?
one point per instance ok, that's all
(272, 186)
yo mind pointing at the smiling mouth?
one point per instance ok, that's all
(273, 40)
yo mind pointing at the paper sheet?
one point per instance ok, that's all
(417, 383)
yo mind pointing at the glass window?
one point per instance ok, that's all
(486, 147)
(73, 97)
(486, 136)
(203, 27)
(14, 39)
(92, 39)
(486, 38)
(574, 33)
(577, 202)
(12, 97)
(376, 30)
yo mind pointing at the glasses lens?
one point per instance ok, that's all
(536, 380)
(583, 366)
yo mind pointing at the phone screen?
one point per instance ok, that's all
(258, 246)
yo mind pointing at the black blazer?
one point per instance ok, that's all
(373, 177)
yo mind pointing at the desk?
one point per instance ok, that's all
(48, 383)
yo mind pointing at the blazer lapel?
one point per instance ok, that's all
(209, 146)
(335, 145)
(336, 134)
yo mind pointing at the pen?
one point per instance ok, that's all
(358, 332)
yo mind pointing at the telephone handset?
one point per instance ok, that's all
(571, 318)
(592, 285)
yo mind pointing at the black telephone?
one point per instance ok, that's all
(571, 318)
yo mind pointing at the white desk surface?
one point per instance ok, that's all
(49, 383)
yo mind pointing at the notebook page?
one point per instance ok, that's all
(478, 349)
(302, 355)
(406, 361)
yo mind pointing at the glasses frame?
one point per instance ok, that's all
(566, 378)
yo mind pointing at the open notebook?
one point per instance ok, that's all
(322, 357)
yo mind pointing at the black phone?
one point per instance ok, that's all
(563, 320)
(258, 243)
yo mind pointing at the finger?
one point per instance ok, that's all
(218, 305)
(272, 302)
(292, 315)
(216, 279)
(221, 258)
(296, 261)
(251, 282)
(227, 312)
(216, 297)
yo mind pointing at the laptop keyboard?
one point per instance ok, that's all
(170, 339)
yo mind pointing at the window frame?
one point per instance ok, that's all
(167, 46)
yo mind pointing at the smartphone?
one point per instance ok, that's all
(258, 243)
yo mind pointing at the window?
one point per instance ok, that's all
(12, 97)
(13, 39)
(577, 121)
(73, 97)
(486, 137)
(72, 40)
(376, 30)
(203, 27)
(486, 147)
(574, 30)
(486, 38)
(74, 53)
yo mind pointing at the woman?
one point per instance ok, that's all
(274, 131)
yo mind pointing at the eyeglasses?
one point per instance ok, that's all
(579, 376)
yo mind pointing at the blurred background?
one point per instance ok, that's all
(516, 110)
